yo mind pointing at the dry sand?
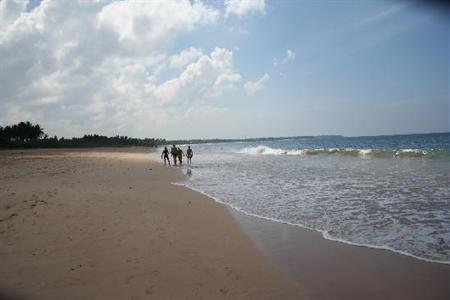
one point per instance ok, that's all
(108, 224)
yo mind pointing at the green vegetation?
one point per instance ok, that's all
(27, 135)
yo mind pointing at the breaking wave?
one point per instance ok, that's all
(419, 153)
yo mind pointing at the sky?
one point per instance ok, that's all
(225, 69)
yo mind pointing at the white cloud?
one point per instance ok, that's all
(10, 10)
(151, 21)
(290, 55)
(184, 58)
(244, 7)
(94, 66)
(252, 87)
(207, 77)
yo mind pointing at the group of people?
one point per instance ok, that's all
(177, 155)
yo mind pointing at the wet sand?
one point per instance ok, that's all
(331, 270)
(108, 224)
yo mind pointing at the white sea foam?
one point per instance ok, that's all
(365, 151)
(410, 152)
(265, 150)
(325, 234)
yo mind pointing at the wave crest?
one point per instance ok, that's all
(265, 150)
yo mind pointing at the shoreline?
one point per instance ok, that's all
(365, 272)
(304, 227)
(330, 270)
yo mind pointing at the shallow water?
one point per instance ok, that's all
(389, 192)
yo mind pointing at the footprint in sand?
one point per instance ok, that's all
(149, 290)
(228, 271)
(8, 206)
(76, 267)
(9, 217)
(224, 290)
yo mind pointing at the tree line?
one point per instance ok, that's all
(22, 132)
(28, 135)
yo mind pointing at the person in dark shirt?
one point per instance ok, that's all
(174, 152)
(180, 155)
(165, 154)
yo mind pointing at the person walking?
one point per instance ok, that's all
(189, 155)
(180, 155)
(165, 154)
(174, 152)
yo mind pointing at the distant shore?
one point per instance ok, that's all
(26, 135)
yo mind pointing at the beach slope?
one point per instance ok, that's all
(108, 224)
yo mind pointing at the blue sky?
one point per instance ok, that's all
(248, 69)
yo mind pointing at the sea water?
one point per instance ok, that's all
(390, 192)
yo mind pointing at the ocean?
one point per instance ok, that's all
(390, 192)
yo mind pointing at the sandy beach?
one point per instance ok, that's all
(108, 224)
